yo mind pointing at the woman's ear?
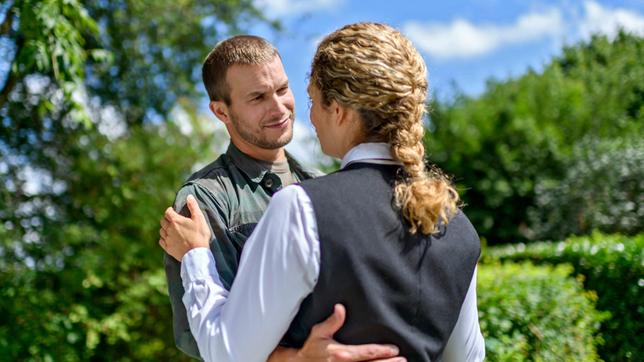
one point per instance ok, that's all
(338, 112)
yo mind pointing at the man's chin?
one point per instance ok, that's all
(283, 141)
(275, 143)
(285, 138)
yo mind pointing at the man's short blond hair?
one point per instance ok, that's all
(237, 50)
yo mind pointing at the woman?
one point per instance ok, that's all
(382, 236)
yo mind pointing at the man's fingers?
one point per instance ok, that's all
(172, 217)
(395, 359)
(195, 211)
(169, 214)
(328, 327)
(365, 352)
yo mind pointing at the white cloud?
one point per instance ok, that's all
(599, 19)
(295, 7)
(463, 39)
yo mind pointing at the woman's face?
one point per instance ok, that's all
(320, 118)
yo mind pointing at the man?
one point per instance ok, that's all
(250, 94)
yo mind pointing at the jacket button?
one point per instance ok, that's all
(268, 183)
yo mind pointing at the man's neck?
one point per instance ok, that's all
(262, 154)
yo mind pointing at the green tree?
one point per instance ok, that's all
(93, 143)
(498, 145)
(602, 189)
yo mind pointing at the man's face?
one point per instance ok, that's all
(261, 112)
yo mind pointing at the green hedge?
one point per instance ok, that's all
(536, 313)
(610, 265)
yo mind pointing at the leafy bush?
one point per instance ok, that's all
(613, 267)
(603, 188)
(88, 283)
(536, 313)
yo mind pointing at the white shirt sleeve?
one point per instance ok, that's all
(466, 342)
(279, 267)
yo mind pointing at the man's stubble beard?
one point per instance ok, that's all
(262, 142)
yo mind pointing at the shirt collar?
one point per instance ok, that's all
(253, 168)
(379, 153)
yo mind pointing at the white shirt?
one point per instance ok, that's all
(279, 267)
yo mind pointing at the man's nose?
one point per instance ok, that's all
(278, 106)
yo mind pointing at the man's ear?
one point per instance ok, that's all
(220, 110)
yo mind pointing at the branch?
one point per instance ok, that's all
(5, 27)
(12, 77)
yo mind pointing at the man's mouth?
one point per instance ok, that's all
(280, 124)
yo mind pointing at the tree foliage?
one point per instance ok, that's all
(94, 107)
(501, 144)
(94, 118)
(602, 189)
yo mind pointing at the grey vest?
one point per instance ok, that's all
(397, 288)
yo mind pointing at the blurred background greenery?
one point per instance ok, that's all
(549, 164)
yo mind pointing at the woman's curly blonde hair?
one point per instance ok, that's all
(375, 70)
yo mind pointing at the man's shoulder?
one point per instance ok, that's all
(214, 170)
(213, 179)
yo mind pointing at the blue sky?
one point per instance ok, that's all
(464, 43)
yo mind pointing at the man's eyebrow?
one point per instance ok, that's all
(260, 92)
(255, 93)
